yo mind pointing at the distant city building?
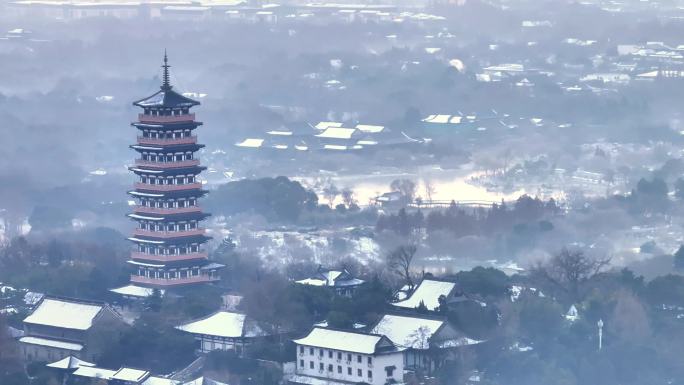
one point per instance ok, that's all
(168, 239)
(62, 327)
(341, 281)
(341, 357)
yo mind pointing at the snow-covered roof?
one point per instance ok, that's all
(224, 324)
(337, 133)
(135, 291)
(456, 342)
(341, 340)
(203, 381)
(323, 125)
(251, 143)
(428, 292)
(52, 343)
(68, 314)
(299, 379)
(337, 278)
(69, 362)
(369, 128)
(407, 331)
(153, 380)
(93, 372)
(130, 374)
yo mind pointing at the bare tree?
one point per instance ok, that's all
(406, 187)
(429, 190)
(568, 270)
(330, 191)
(348, 197)
(399, 261)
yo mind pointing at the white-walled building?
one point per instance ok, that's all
(419, 337)
(342, 357)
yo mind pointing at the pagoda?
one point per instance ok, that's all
(168, 238)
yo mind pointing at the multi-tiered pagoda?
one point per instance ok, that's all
(169, 237)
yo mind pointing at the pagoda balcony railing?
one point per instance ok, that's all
(169, 141)
(183, 163)
(172, 281)
(168, 187)
(169, 234)
(169, 257)
(166, 118)
(168, 211)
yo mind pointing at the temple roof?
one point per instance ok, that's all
(166, 97)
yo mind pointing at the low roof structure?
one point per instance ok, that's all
(408, 331)
(135, 291)
(203, 381)
(226, 324)
(355, 342)
(69, 362)
(130, 375)
(94, 372)
(73, 346)
(427, 292)
(333, 278)
(65, 313)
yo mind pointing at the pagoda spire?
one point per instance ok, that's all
(166, 85)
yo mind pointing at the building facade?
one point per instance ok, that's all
(169, 237)
(338, 356)
(61, 327)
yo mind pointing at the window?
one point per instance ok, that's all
(311, 365)
(358, 358)
(330, 368)
(359, 372)
(339, 355)
(301, 349)
(320, 366)
(390, 370)
(370, 374)
(370, 360)
(301, 363)
(349, 371)
(330, 354)
(311, 351)
(349, 357)
(339, 369)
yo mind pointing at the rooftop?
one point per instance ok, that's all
(341, 340)
(166, 97)
(69, 362)
(65, 313)
(408, 331)
(52, 343)
(428, 292)
(224, 324)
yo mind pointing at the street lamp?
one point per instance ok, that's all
(600, 333)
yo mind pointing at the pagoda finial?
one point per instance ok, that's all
(166, 85)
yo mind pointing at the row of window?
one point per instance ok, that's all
(154, 134)
(169, 203)
(176, 179)
(166, 111)
(169, 250)
(321, 368)
(332, 353)
(164, 158)
(169, 274)
(168, 226)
